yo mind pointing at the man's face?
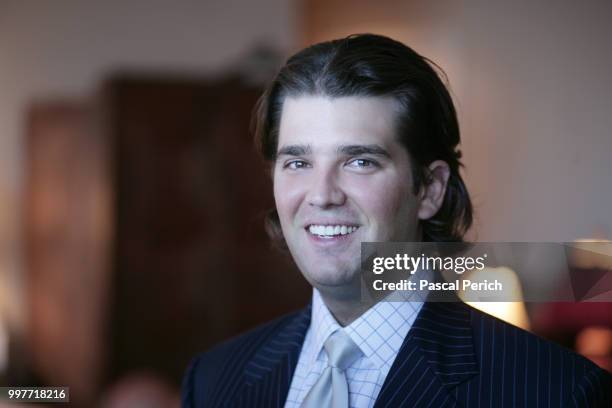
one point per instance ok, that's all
(341, 177)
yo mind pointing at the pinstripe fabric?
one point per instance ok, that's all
(452, 356)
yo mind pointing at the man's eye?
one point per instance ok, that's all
(362, 163)
(295, 165)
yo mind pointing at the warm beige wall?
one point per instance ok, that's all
(63, 48)
(532, 84)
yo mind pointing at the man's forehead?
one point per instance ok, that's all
(321, 121)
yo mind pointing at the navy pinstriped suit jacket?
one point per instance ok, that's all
(453, 355)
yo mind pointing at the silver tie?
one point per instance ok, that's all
(331, 389)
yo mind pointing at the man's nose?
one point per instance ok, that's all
(325, 190)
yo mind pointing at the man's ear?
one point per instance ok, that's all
(434, 189)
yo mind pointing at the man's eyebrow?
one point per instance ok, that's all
(355, 150)
(294, 150)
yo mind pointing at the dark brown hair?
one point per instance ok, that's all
(374, 65)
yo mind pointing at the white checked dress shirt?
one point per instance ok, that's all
(379, 333)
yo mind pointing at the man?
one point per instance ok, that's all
(362, 138)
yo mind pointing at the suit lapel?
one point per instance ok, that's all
(268, 375)
(436, 356)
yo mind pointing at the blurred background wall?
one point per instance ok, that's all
(63, 49)
(530, 80)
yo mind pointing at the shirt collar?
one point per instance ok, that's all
(379, 332)
(323, 324)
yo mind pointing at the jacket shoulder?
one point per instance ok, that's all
(537, 366)
(224, 364)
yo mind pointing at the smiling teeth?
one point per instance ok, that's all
(331, 230)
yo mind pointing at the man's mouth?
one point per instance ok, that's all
(331, 231)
